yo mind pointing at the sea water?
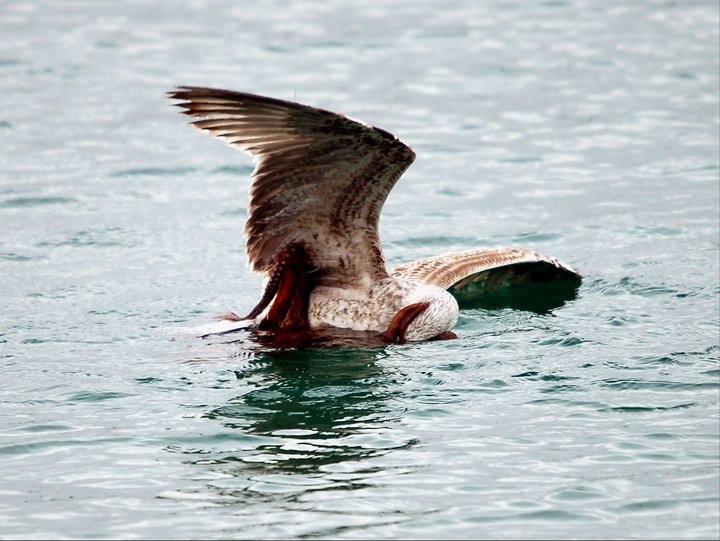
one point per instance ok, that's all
(585, 130)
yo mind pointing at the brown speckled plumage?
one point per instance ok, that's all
(320, 179)
(319, 184)
(452, 269)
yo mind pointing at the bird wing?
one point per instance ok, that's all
(491, 269)
(320, 179)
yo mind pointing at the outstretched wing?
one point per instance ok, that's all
(320, 179)
(488, 270)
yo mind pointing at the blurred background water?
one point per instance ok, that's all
(587, 130)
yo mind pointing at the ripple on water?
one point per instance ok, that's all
(656, 385)
(242, 170)
(442, 241)
(649, 409)
(153, 172)
(578, 495)
(646, 506)
(628, 284)
(107, 237)
(535, 236)
(536, 376)
(543, 515)
(97, 396)
(661, 360)
(56, 445)
(20, 258)
(44, 428)
(287, 484)
(24, 202)
(568, 341)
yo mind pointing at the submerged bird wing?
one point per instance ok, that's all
(491, 269)
(320, 179)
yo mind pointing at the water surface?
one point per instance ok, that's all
(584, 130)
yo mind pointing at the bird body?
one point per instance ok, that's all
(316, 194)
(373, 308)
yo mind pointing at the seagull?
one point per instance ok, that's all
(316, 193)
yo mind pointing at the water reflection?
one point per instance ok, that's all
(306, 420)
(537, 293)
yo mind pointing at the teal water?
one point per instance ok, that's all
(584, 130)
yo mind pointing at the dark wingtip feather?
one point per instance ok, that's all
(184, 95)
(182, 92)
(178, 93)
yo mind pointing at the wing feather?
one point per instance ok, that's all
(320, 178)
(454, 270)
